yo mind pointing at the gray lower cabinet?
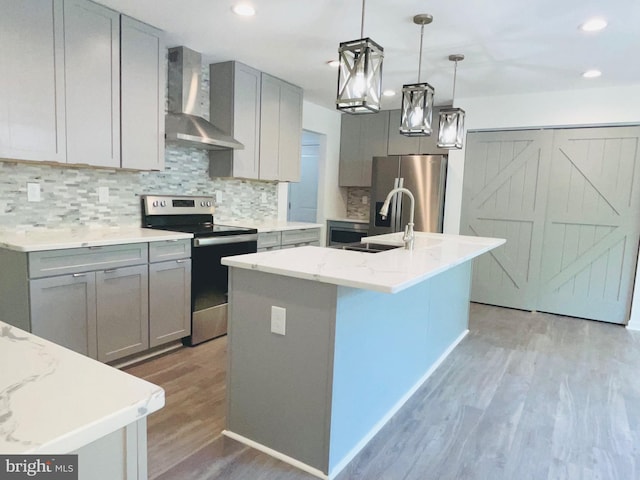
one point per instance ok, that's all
(169, 301)
(122, 306)
(63, 310)
(277, 240)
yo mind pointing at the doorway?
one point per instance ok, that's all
(303, 195)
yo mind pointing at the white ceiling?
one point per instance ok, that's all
(511, 46)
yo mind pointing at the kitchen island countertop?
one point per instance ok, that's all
(389, 272)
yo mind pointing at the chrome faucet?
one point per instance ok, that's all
(408, 236)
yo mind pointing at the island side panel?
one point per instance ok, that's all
(14, 289)
(279, 387)
(385, 345)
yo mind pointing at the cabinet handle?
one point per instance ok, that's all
(111, 270)
(180, 261)
(77, 275)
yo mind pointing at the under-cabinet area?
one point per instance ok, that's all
(107, 302)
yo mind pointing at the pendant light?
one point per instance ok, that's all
(360, 74)
(417, 98)
(451, 129)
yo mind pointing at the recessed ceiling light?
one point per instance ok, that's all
(593, 25)
(389, 93)
(333, 63)
(244, 10)
(592, 73)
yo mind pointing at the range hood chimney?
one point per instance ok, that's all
(182, 125)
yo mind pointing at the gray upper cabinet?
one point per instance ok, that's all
(142, 83)
(235, 108)
(403, 145)
(32, 114)
(362, 138)
(262, 112)
(63, 101)
(92, 83)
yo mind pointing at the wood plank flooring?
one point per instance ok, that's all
(524, 396)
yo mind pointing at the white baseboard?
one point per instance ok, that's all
(381, 423)
(274, 453)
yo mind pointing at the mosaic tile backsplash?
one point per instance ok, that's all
(355, 208)
(70, 194)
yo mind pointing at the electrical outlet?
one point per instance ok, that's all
(103, 194)
(278, 320)
(365, 199)
(33, 192)
(218, 197)
(263, 197)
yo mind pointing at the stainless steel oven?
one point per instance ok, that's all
(211, 242)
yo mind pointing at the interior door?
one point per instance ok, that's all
(592, 225)
(503, 196)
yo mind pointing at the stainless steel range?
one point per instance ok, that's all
(211, 242)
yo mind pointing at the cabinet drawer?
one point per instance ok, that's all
(74, 260)
(268, 239)
(169, 250)
(290, 237)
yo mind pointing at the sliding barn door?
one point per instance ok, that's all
(568, 203)
(590, 243)
(503, 197)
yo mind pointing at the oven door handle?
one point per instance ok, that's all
(209, 241)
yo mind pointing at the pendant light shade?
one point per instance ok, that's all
(416, 113)
(451, 128)
(360, 74)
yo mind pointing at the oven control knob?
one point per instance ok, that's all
(163, 203)
(202, 204)
(208, 204)
(156, 203)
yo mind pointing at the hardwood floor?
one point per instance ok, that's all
(524, 396)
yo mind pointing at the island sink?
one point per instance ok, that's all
(369, 247)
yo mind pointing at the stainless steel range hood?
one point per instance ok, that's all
(182, 125)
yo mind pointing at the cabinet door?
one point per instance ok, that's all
(246, 121)
(400, 144)
(169, 301)
(32, 120)
(92, 83)
(290, 133)
(63, 310)
(269, 127)
(122, 312)
(142, 75)
(362, 138)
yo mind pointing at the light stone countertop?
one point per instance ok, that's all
(389, 272)
(54, 400)
(270, 225)
(39, 240)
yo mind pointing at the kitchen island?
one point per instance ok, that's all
(54, 401)
(325, 345)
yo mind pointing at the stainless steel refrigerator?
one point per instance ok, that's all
(425, 176)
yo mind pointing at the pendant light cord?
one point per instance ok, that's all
(362, 22)
(455, 74)
(420, 58)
